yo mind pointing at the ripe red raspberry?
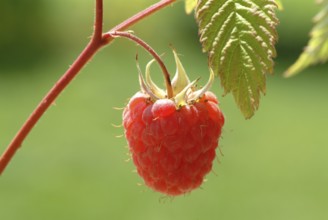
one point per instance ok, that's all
(173, 141)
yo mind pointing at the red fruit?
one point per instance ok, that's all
(173, 150)
(173, 141)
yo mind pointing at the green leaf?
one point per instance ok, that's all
(317, 49)
(190, 5)
(239, 36)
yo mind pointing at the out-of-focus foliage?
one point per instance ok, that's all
(24, 33)
(279, 4)
(317, 49)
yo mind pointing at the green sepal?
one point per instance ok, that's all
(155, 89)
(180, 79)
(181, 98)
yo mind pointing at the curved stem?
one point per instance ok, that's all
(139, 41)
(98, 40)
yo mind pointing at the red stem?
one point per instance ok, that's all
(145, 13)
(98, 26)
(152, 52)
(98, 40)
(60, 85)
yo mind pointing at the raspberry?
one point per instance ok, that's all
(173, 141)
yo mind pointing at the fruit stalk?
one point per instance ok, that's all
(97, 41)
(147, 47)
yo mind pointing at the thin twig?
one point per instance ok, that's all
(145, 13)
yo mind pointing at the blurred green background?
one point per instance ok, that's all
(73, 166)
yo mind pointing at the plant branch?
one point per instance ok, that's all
(152, 52)
(145, 13)
(59, 86)
(98, 23)
(98, 40)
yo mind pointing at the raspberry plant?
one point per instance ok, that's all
(239, 37)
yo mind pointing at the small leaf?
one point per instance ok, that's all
(239, 36)
(190, 5)
(317, 49)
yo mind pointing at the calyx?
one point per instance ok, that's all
(184, 91)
